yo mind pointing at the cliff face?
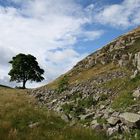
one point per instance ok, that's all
(102, 90)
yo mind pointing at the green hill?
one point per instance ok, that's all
(102, 91)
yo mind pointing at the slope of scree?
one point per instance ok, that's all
(102, 90)
(21, 118)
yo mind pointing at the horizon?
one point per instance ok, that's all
(60, 39)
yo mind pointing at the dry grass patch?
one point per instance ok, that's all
(18, 111)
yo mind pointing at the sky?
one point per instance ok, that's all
(59, 33)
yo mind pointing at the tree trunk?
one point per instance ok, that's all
(24, 83)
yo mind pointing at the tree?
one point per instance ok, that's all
(24, 68)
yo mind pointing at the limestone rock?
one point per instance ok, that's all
(112, 130)
(113, 120)
(87, 116)
(137, 60)
(134, 74)
(65, 117)
(130, 119)
(136, 94)
(33, 125)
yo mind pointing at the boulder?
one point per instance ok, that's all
(113, 120)
(93, 122)
(33, 125)
(137, 60)
(130, 119)
(134, 74)
(96, 126)
(65, 117)
(136, 94)
(87, 116)
(112, 130)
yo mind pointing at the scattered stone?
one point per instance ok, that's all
(87, 116)
(137, 60)
(113, 120)
(135, 74)
(136, 94)
(65, 117)
(130, 119)
(97, 127)
(33, 125)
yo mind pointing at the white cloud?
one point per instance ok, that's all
(92, 35)
(124, 14)
(40, 26)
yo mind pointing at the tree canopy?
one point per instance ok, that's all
(24, 68)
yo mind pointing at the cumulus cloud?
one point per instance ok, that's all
(40, 27)
(49, 30)
(125, 14)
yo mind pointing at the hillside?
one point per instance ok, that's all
(22, 119)
(102, 91)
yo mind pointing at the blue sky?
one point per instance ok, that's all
(61, 32)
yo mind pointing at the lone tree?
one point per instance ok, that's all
(24, 68)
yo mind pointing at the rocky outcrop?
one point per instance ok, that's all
(136, 94)
(90, 101)
(137, 60)
(130, 119)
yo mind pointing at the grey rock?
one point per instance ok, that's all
(130, 119)
(137, 60)
(87, 116)
(134, 74)
(112, 130)
(65, 117)
(97, 127)
(33, 125)
(136, 94)
(113, 120)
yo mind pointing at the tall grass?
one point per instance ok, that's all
(18, 110)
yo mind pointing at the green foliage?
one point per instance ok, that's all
(73, 109)
(63, 84)
(24, 68)
(76, 95)
(103, 97)
(78, 110)
(101, 120)
(67, 108)
(136, 79)
(123, 101)
(87, 102)
(125, 98)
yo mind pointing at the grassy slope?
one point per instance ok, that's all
(86, 74)
(18, 110)
(3, 86)
(122, 87)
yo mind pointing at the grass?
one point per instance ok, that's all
(124, 98)
(4, 86)
(18, 110)
(83, 75)
(123, 101)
